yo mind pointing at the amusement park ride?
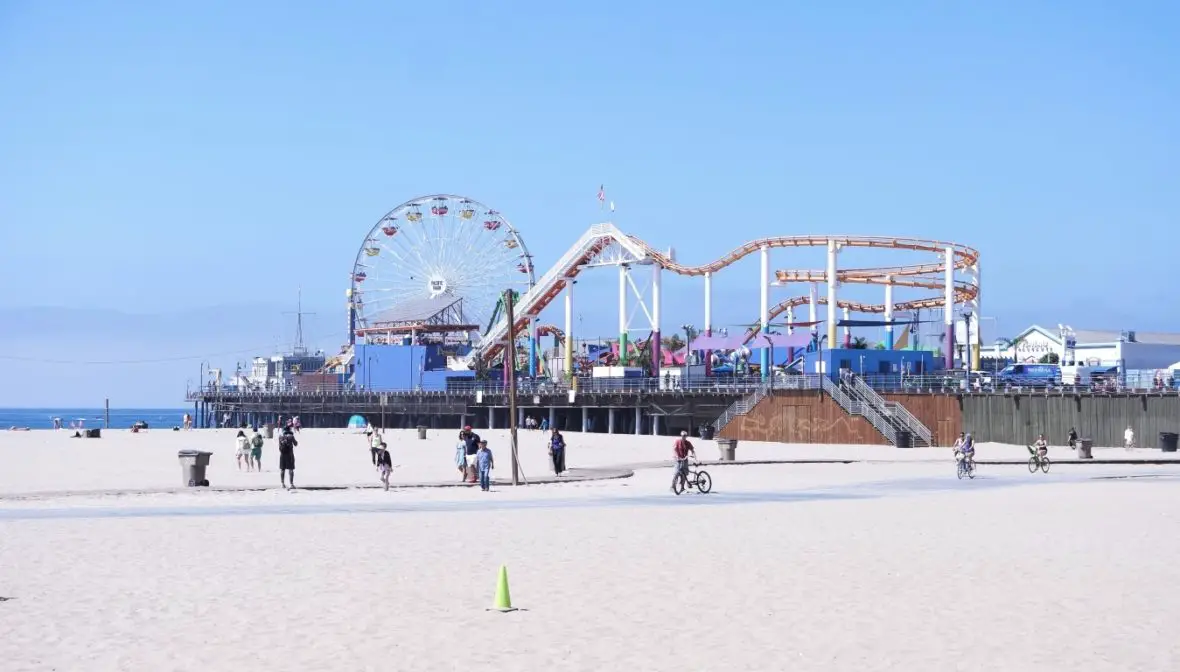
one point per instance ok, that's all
(436, 267)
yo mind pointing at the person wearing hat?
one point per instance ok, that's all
(681, 450)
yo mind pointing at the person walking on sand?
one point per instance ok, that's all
(557, 452)
(461, 457)
(484, 462)
(470, 449)
(681, 450)
(287, 445)
(384, 464)
(256, 449)
(1129, 438)
(243, 450)
(375, 445)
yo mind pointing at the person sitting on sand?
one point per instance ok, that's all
(256, 449)
(681, 450)
(1042, 446)
(384, 464)
(243, 450)
(484, 462)
(287, 445)
(557, 452)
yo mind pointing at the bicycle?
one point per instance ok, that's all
(1036, 461)
(964, 466)
(698, 479)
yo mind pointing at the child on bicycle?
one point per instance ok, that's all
(681, 450)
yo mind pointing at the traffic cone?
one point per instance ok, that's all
(503, 598)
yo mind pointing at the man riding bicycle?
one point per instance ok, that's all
(966, 450)
(1042, 446)
(681, 450)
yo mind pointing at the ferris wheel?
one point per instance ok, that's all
(434, 255)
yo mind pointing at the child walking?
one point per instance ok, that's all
(384, 464)
(484, 463)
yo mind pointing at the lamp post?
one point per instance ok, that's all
(688, 329)
(770, 359)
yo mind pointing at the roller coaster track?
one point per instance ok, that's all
(602, 236)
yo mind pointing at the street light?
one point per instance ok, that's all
(688, 329)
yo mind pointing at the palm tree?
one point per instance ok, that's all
(859, 343)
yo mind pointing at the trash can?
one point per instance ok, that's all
(905, 439)
(192, 467)
(728, 448)
(422, 432)
(707, 432)
(270, 431)
(1168, 441)
(1085, 449)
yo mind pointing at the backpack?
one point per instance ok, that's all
(257, 441)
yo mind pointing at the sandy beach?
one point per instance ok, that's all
(880, 565)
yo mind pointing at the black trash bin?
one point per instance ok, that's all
(905, 439)
(1168, 441)
(707, 432)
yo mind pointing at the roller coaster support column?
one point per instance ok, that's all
(978, 345)
(830, 278)
(948, 312)
(790, 330)
(656, 299)
(708, 354)
(569, 329)
(813, 307)
(847, 330)
(532, 346)
(624, 270)
(764, 308)
(888, 312)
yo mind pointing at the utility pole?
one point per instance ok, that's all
(510, 371)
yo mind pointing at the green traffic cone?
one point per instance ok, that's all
(503, 598)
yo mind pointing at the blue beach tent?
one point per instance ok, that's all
(357, 422)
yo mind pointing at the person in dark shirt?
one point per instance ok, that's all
(681, 450)
(384, 464)
(287, 445)
(557, 452)
(471, 447)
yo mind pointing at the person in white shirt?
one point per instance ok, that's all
(375, 445)
(1129, 438)
(243, 450)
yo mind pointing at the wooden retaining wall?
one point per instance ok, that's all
(798, 416)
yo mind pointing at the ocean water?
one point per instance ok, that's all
(121, 418)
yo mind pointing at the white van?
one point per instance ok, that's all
(1079, 376)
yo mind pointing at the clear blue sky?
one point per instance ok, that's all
(196, 162)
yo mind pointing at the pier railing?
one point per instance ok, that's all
(714, 385)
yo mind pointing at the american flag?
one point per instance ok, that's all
(601, 194)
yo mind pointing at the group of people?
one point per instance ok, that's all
(249, 453)
(474, 459)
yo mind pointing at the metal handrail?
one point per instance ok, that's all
(856, 408)
(894, 410)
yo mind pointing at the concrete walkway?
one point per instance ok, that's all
(570, 476)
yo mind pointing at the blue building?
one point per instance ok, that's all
(391, 368)
(872, 362)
